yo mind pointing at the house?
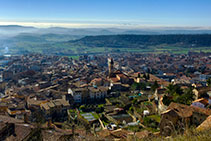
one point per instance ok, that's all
(55, 109)
(200, 91)
(6, 129)
(162, 82)
(12, 129)
(201, 103)
(146, 112)
(137, 77)
(118, 86)
(118, 80)
(97, 82)
(172, 119)
(123, 78)
(67, 97)
(7, 75)
(161, 107)
(97, 93)
(199, 115)
(209, 94)
(33, 103)
(79, 95)
(3, 107)
(206, 125)
(157, 94)
(112, 126)
(179, 116)
(17, 113)
(88, 94)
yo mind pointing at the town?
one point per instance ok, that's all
(125, 96)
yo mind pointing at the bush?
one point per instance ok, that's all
(82, 107)
(99, 109)
(131, 109)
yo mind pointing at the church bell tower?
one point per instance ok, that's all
(110, 66)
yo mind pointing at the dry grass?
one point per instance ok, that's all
(189, 135)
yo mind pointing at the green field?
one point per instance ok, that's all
(66, 49)
(65, 45)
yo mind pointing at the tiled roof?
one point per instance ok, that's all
(114, 79)
(22, 131)
(45, 106)
(122, 75)
(186, 111)
(160, 81)
(202, 100)
(53, 103)
(10, 119)
(96, 79)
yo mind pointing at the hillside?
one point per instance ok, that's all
(141, 41)
(68, 45)
(190, 135)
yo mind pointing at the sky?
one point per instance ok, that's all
(107, 13)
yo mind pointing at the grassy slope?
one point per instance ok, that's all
(190, 135)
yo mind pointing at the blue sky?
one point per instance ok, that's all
(124, 13)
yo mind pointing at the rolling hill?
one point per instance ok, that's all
(68, 44)
(140, 41)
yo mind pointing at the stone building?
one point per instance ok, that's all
(178, 117)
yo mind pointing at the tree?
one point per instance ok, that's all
(178, 96)
(145, 76)
(178, 89)
(148, 76)
(99, 109)
(209, 107)
(135, 101)
(209, 81)
(82, 107)
(155, 86)
(135, 86)
(131, 109)
(171, 89)
(166, 100)
(187, 97)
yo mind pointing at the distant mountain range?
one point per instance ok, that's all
(13, 30)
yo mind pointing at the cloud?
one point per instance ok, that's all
(100, 24)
